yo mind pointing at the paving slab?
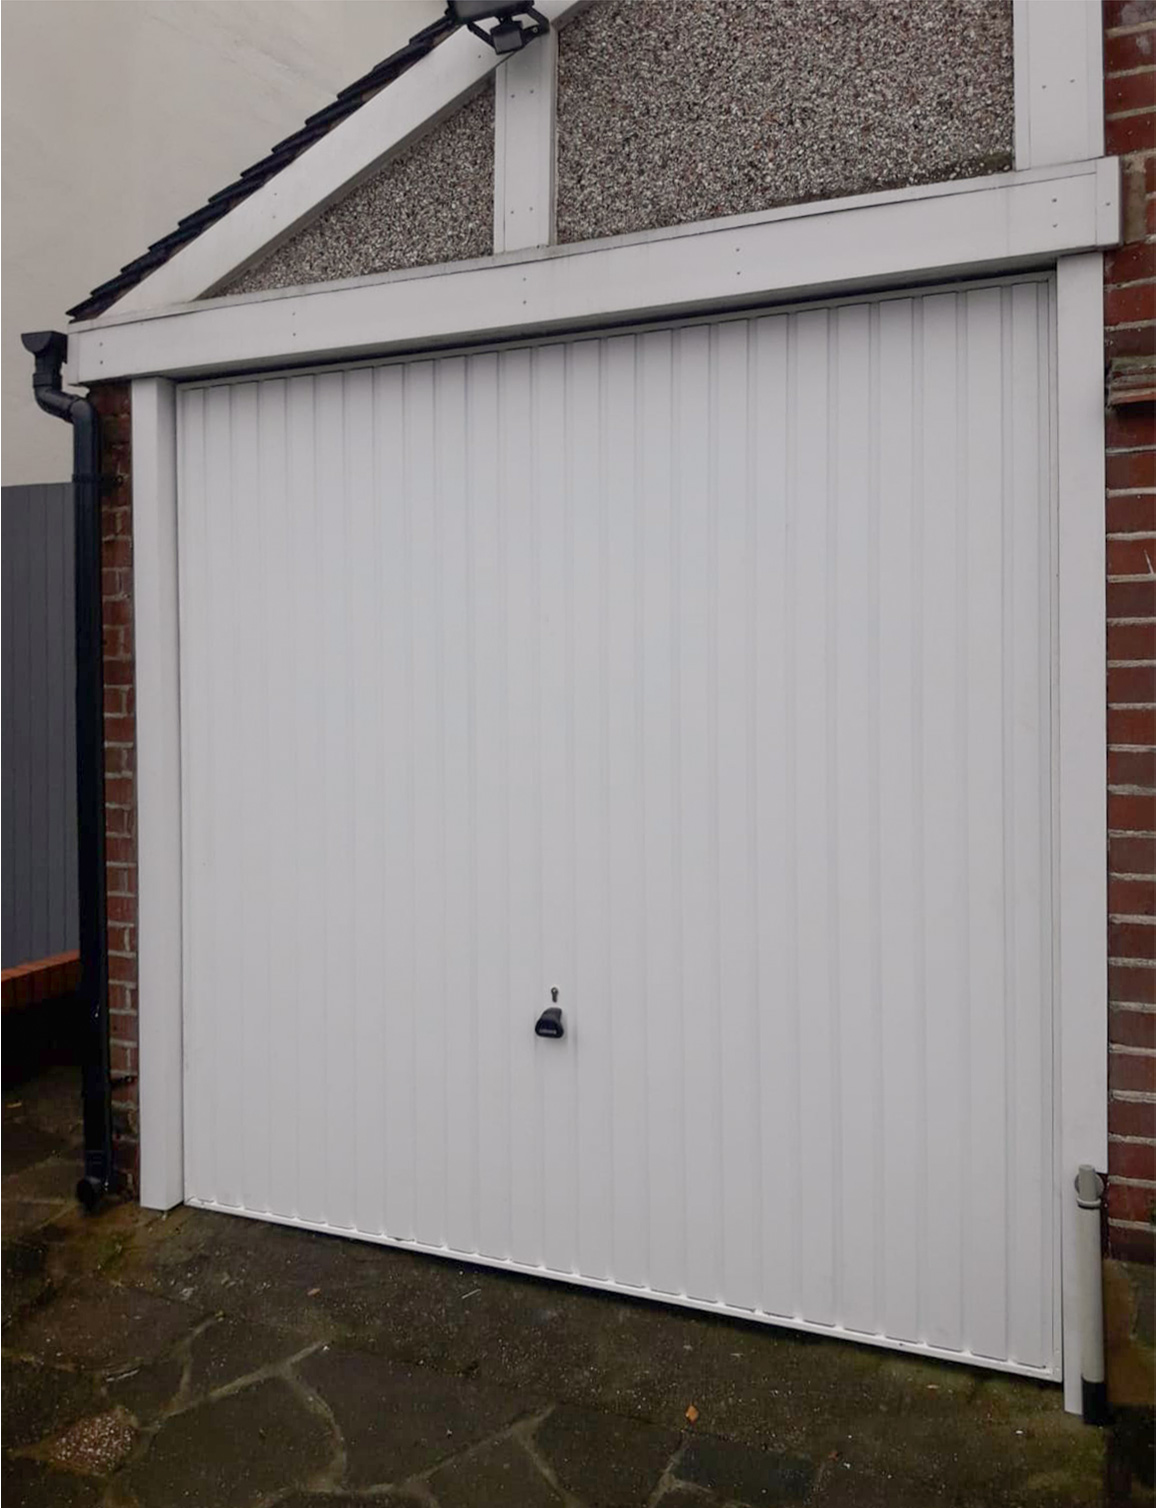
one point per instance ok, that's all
(499, 1475)
(119, 1295)
(347, 1500)
(40, 1401)
(26, 1280)
(608, 1461)
(102, 1327)
(30, 1484)
(52, 1179)
(229, 1348)
(24, 1144)
(397, 1420)
(233, 1452)
(147, 1390)
(743, 1472)
(842, 1486)
(24, 1217)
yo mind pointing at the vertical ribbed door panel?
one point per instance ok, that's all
(701, 674)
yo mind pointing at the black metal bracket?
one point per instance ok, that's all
(508, 34)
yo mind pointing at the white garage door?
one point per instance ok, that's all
(702, 675)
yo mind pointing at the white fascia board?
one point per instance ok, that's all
(994, 224)
(404, 110)
(1059, 81)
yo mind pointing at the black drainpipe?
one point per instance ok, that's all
(49, 347)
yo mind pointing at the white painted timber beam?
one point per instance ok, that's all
(525, 108)
(425, 94)
(1081, 764)
(994, 224)
(1059, 81)
(158, 724)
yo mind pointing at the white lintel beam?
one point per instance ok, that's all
(989, 225)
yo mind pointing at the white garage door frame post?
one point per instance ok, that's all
(1080, 765)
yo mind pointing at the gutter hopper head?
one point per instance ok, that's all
(50, 348)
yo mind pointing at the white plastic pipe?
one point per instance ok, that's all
(1089, 1193)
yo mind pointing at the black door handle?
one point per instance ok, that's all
(549, 1023)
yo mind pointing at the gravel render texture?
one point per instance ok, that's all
(433, 202)
(674, 113)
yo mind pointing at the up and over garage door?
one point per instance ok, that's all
(701, 675)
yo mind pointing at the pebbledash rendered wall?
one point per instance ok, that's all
(1130, 316)
(669, 114)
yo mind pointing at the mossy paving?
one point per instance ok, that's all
(196, 1358)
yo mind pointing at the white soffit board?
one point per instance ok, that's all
(703, 673)
(914, 234)
(1059, 81)
(422, 96)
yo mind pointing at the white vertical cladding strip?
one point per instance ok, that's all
(1028, 533)
(428, 644)
(364, 598)
(593, 1038)
(554, 508)
(1081, 766)
(303, 725)
(852, 692)
(694, 706)
(496, 491)
(657, 590)
(898, 876)
(812, 838)
(944, 811)
(987, 741)
(1059, 81)
(156, 639)
(279, 531)
(625, 819)
(525, 91)
(511, 595)
(769, 418)
(250, 650)
(735, 503)
(192, 494)
(458, 808)
(396, 773)
(701, 674)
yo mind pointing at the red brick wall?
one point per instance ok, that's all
(1130, 316)
(113, 403)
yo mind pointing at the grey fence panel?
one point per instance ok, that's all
(38, 904)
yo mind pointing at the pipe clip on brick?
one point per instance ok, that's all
(49, 348)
